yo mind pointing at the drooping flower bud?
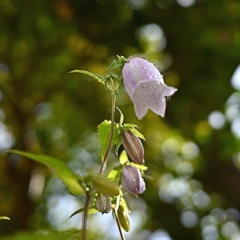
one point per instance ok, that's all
(104, 185)
(103, 203)
(124, 218)
(132, 180)
(133, 146)
(145, 86)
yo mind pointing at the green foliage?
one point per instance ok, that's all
(61, 170)
(4, 218)
(45, 235)
(104, 133)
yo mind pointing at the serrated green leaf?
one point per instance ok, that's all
(104, 129)
(96, 76)
(61, 170)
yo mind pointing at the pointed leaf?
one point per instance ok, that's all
(96, 76)
(61, 170)
(91, 210)
(133, 128)
(121, 116)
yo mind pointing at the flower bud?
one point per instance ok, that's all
(124, 218)
(104, 185)
(132, 180)
(112, 84)
(133, 146)
(103, 203)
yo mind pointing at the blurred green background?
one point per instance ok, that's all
(193, 154)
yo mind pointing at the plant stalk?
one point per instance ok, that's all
(104, 161)
(85, 216)
(118, 224)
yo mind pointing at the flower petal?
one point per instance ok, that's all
(138, 70)
(145, 86)
(151, 95)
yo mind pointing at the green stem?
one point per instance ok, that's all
(118, 224)
(104, 161)
(85, 216)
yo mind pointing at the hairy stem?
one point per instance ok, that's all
(118, 224)
(104, 161)
(85, 216)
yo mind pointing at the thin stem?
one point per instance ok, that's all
(118, 224)
(104, 161)
(85, 216)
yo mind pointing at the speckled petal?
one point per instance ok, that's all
(151, 95)
(145, 86)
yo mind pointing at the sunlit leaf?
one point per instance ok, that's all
(104, 129)
(123, 158)
(61, 170)
(113, 174)
(133, 128)
(4, 218)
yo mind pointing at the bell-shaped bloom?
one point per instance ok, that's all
(145, 86)
(132, 180)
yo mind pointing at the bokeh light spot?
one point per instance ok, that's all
(216, 119)
(189, 218)
(186, 3)
(160, 235)
(190, 150)
(235, 80)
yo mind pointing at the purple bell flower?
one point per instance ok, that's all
(145, 86)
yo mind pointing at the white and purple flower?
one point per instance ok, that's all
(145, 86)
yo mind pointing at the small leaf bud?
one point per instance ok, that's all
(133, 146)
(132, 180)
(112, 84)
